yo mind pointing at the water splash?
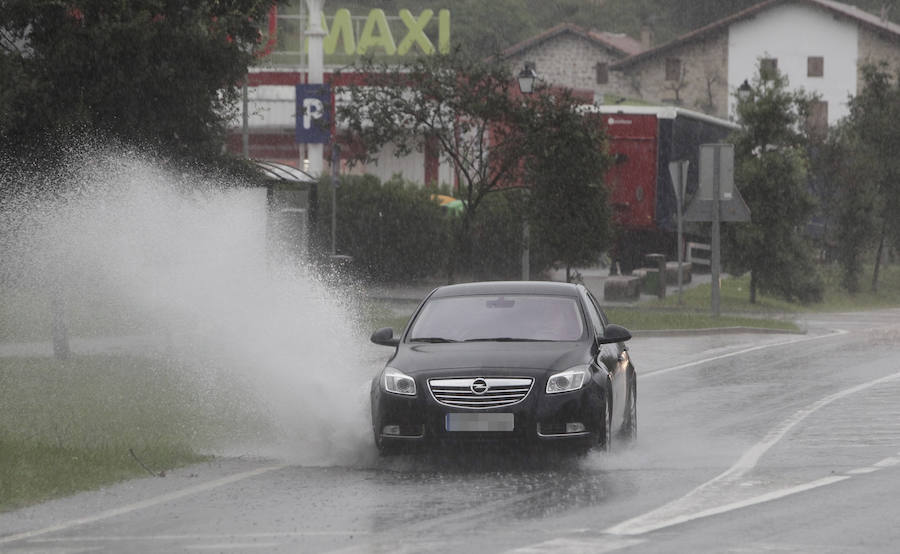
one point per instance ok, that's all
(179, 257)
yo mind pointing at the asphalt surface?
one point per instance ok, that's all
(747, 443)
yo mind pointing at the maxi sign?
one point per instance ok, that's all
(313, 114)
(376, 33)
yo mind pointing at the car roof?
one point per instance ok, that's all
(507, 287)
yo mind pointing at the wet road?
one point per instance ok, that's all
(747, 443)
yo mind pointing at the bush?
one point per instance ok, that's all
(394, 230)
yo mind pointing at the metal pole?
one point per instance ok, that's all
(315, 72)
(526, 263)
(716, 239)
(679, 200)
(335, 169)
(245, 124)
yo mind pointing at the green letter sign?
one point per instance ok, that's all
(376, 33)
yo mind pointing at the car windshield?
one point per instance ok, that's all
(516, 317)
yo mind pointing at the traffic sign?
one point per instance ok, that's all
(731, 205)
(313, 114)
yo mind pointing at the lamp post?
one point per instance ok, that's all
(743, 91)
(526, 79)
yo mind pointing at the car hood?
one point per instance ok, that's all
(499, 356)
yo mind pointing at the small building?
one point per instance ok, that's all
(820, 45)
(570, 56)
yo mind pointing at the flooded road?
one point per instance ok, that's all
(746, 443)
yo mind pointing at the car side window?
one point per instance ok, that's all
(594, 314)
(600, 311)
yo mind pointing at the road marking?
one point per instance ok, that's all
(691, 505)
(233, 546)
(628, 528)
(644, 375)
(578, 545)
(887, 462)
(128, 508)
(200, 536)
(863, 470)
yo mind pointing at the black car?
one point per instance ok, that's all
(530, 363)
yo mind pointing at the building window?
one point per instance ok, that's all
(602, 69)
(768, 68)
(815, 66)
(817, 120)
(673, 69)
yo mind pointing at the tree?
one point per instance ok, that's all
(870, 139)
(157, 73)
(771, 171)
(565, 169)
(850, 201)
(472, 110)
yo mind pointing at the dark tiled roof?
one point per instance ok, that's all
(620, 44)
(870, 21)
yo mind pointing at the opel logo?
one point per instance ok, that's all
(479, 386)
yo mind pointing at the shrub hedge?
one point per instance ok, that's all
(396, 231)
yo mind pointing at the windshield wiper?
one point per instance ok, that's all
(505, 339)
(431, 339)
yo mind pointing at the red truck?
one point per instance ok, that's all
(642, 141)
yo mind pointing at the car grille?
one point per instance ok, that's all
(461, 392)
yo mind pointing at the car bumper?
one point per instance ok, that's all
(559, 419)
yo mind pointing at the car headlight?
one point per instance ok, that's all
(571, 379)
(397, 382)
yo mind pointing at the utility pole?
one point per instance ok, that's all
(315, 73)
(716, 258)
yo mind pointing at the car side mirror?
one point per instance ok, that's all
(614, 333)
(385, 337)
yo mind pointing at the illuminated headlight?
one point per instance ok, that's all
(571, 379)
(398, 382)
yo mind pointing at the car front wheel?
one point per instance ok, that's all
(605, 425)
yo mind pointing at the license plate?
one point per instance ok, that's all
(480, 422)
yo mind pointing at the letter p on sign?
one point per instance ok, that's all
(313, 114)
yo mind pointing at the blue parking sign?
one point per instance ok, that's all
(313, 114)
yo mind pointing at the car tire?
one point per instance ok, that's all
(604, 429)
(629, 426)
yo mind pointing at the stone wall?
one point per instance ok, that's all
(567, 60)
(703, 82)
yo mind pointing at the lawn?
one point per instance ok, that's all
(72, 425)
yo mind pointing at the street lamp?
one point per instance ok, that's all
(526, 78)
(743, 91)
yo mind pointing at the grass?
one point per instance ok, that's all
(644, 320)
(67, 426)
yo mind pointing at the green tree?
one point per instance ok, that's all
(473, 111)
(870, 140)
(159, 73)
(771, 172)
(565, 168)
(850, 201)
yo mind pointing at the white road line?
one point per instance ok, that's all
(863, 470)
(200, 536)
(578, 545)
(691, 505)
(640, 529)
(128, 508)
(644, 375)
(887, 462)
